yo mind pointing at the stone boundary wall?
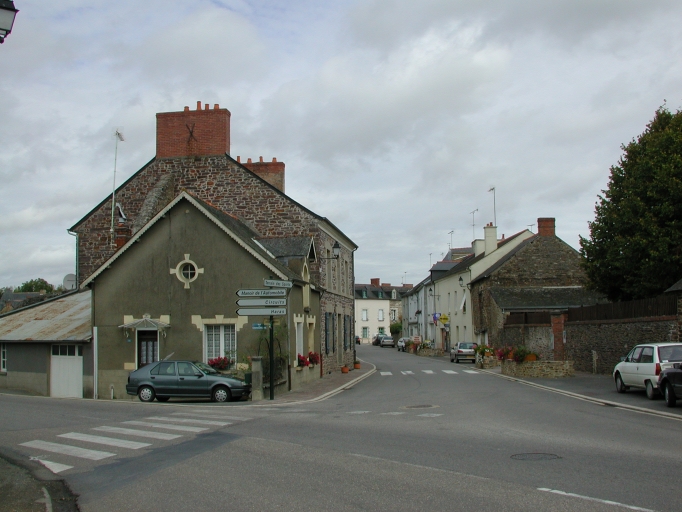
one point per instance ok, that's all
(597, 346)
(487, 363)
(544, 369)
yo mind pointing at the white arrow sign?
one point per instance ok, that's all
(264, 292)
(262, 312)
(277, 284)
(262, 302)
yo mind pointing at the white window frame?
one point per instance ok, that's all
(365, 332)
(299, 342)
(393, 315)
(227, 341)
(381, 315)
(365, 317)
(3, 357)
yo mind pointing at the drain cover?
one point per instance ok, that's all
(535, 456)
(425, 406)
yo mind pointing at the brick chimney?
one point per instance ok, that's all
(272, 172)
(546, 226)
(122, 234)
(375, 281)
(193, 132)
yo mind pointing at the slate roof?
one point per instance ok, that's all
(288, 247)
(544, 297)
(373, 291)
(63, 318)
(677, 287)
(487, 272)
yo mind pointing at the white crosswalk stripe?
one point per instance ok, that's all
(108, 441)
(188, 420)
(429, 415)
(358, 412)
(386, 373)
(471, 371)
(429, 372)
(168, 426)
(66, 449)
(138, 433)
(450, 372)
(55, 467)
(391, 413)
(407, 372)
(214, 416)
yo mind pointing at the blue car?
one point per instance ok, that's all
(184, 379)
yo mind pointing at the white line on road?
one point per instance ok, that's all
(108, 441)
(408, 372)
(588, 498)
(55, 467)
(450, 372)
(65, 449)
(428, 371)
(138, 433)
(184, 428)
(187, 420)
(386, 373)
(392, 413)
(358, 412)
(210, 415)
(429, 415)
(471, 371)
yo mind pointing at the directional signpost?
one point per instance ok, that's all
(266, 304)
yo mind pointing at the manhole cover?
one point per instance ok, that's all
(535, 456)
(424, 406)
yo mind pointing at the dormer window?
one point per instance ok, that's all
(394, 295)
(380, 294)
(364, 294)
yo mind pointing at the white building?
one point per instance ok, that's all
(377, 306)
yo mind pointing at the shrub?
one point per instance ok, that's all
(220, 363)
(520, 353)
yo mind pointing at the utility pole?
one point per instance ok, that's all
(492, 189)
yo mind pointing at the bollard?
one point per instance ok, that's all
(256, 378)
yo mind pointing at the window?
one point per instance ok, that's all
(381, 330)
(364, 294)
(380, 294)
(394, 295)
(189, 271)
(364, 315)
(647, 355)
(393, 315)
(67, 350)
(299, 341)
(327, 331)
(365, 332)
(164, 368)
(3, 357)
(147, 347)
(346, 332)
(221, 341)
(381, 315)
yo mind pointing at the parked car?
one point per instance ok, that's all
(402, 342)
(643, 365)
(670, 384)
(462, 351)
(386, 341)
(165, 379)
(376, 340)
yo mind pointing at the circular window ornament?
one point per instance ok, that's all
(186, 271)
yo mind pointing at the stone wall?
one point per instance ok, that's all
(613, 339)
(543, 369)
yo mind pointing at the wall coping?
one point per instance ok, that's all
(625, 320)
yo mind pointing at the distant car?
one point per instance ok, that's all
(643, 365)
(376, 340)
(386, 341)
(185, 379)
(402, 342)
(462, 351)
(670, 384)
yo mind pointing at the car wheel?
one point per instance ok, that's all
(146, 394)
(669, 394)
(162, 398)
(452, 360)
(620, 387)
(650, 391)
(221, 394)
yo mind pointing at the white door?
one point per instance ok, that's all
(66, 371)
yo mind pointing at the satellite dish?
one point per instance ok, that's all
(69, 282)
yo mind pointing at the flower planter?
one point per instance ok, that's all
(356, 366)
(344, 369)
(531, 357)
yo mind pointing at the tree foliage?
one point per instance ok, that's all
(35, 285)
(635, 246)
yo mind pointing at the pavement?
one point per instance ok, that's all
(24, 488)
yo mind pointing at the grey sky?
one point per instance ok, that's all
(393, 117)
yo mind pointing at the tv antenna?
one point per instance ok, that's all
(473, 223)
(119, 137)
(530, 227)
(492, 189)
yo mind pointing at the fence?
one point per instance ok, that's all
(541, 318)
(664, 305)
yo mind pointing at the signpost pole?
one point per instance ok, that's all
(272, 358)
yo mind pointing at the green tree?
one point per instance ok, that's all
(635, 246)
(35, 285)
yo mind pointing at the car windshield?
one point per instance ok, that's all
(205, 368)
(670, 353)
(466, 345)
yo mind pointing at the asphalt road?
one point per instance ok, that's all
(419, 434)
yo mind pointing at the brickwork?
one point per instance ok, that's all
(272, 172)
(613, 339)
(193, 132)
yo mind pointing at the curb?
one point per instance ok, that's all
(578, 396)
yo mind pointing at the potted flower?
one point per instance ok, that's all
(303, 361)
(344, 369)
(356, 364)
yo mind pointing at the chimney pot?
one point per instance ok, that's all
(261, 159)
(274, 159)
(239, 159)
(186, 108)
(248, 161)
(375, 281)
(216, 107)
(198, 105)
(206, 106)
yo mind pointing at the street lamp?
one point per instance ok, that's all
(461, 281)
(7, 14)
(336, 251)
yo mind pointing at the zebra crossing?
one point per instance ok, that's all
(148, 433)
(428, 372)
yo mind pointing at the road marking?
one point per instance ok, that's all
(66, 449)
(358, 412)
(187, 420)
(108, 441)
(211, 415)
(391, 413)
(386, 373)
(471, 371)
(588, 498)
(430, 372)
(184, 428)
(429, 415)
(55, 467)
(450, 372)
(408, 372)
(138, 433)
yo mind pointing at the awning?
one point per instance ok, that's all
(145, 323)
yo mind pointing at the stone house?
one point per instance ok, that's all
(193, 155)
(523, 298)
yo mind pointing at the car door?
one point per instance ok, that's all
(629, 366)
(191, 380)
(164, 378)
(645, 368)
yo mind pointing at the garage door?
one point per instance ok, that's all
(66, 371)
